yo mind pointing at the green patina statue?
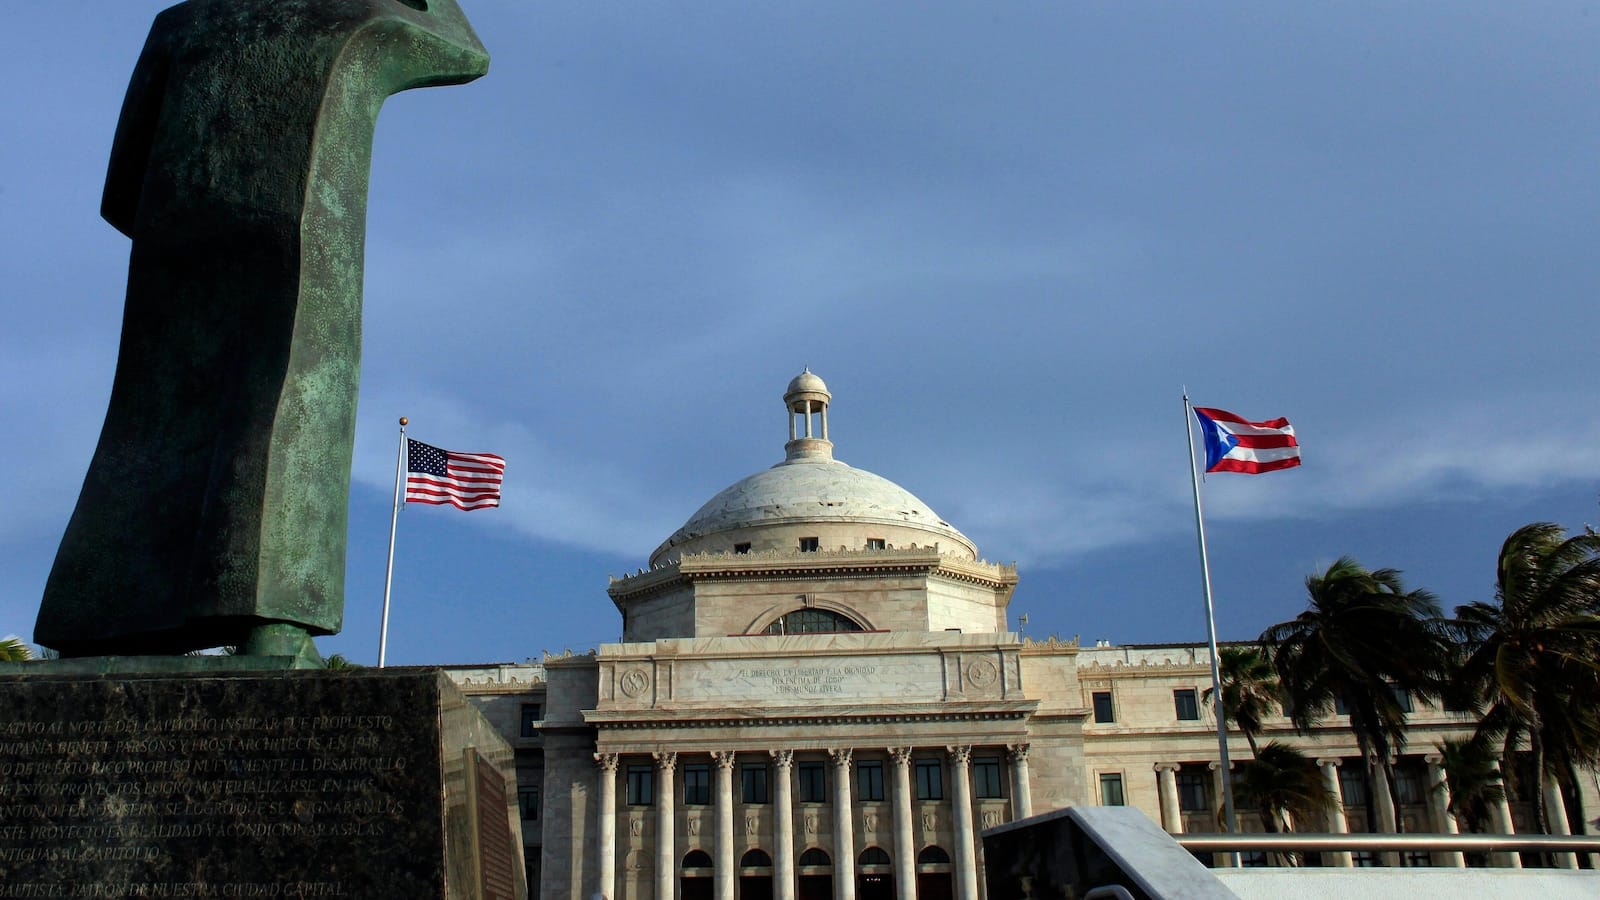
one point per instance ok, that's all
(214, 510)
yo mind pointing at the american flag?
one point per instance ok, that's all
(464, 480)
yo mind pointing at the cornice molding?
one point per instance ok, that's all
(784, 565)
(643, 719)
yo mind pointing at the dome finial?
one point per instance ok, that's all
(808, 396)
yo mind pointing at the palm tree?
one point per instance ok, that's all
(1363, 643)
(1533, 656)
(338, 662)
(12, 649)
(1473, 780)
(1249, 690)
(1284, 786)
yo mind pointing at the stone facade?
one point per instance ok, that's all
(818, 696)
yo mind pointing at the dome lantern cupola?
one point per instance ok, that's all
(807, 398)
(811, 501)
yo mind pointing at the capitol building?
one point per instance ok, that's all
(818, 695)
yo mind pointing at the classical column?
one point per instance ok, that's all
(1167, 790)
(1021, 792)
(783, 824)
(1500, 814)
(905, 843)
(1555, 811)
(1383, 799)
(724, 864)
(966, 851)
(605, 839)
(666, 827)
(844, 833)
(1337, 824)
(1443, 819)
(1218, 785)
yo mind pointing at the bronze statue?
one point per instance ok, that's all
(214, 510)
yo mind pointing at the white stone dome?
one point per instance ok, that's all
(812, 494)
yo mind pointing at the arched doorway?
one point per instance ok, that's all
(874, 875)
(935, 880)
(816, 875)
(696, 882)
(755, 876)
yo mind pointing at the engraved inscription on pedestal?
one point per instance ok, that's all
(314, 786)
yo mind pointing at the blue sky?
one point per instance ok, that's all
(1006, 234)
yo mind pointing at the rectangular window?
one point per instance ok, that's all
(753, 778)
(741, 548)
(1111, 790)
(1102, 706)
(1353, 785)
(528, 800)
(869, 780)
(1401, 698)
(1187, 705)
(877, 544)
(641, 786)
(696, 785)
(1192, 793)
(813, 782)
(986, 777)
(1408, 786)
(808, 545)
(930, 780)
(532, 715)
(1338, 706)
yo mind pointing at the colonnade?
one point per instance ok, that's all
(839, 760)
(1438, 790)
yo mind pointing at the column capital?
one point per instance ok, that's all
(961, 755)
(724, 759)
(841, 758)
(1329, 761)
(1216, 765)
(1434, 759)
(607, 762)
(1017, 752)
(901, 756)
(1168, 766)
(666, 762)
(783, 759)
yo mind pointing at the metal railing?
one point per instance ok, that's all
(1356, 843)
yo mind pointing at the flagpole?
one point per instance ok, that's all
(394, 520)
(1211, 632)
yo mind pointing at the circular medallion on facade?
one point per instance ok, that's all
(634, 682)
(982, 673)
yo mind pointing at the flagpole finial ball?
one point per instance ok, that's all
(404, 421)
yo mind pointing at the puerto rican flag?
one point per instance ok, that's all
(1236, 445)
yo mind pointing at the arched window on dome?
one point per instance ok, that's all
(812, 621)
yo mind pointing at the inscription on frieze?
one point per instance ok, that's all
(908, 677)
(808, 679)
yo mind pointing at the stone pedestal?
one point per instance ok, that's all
(364, 783)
